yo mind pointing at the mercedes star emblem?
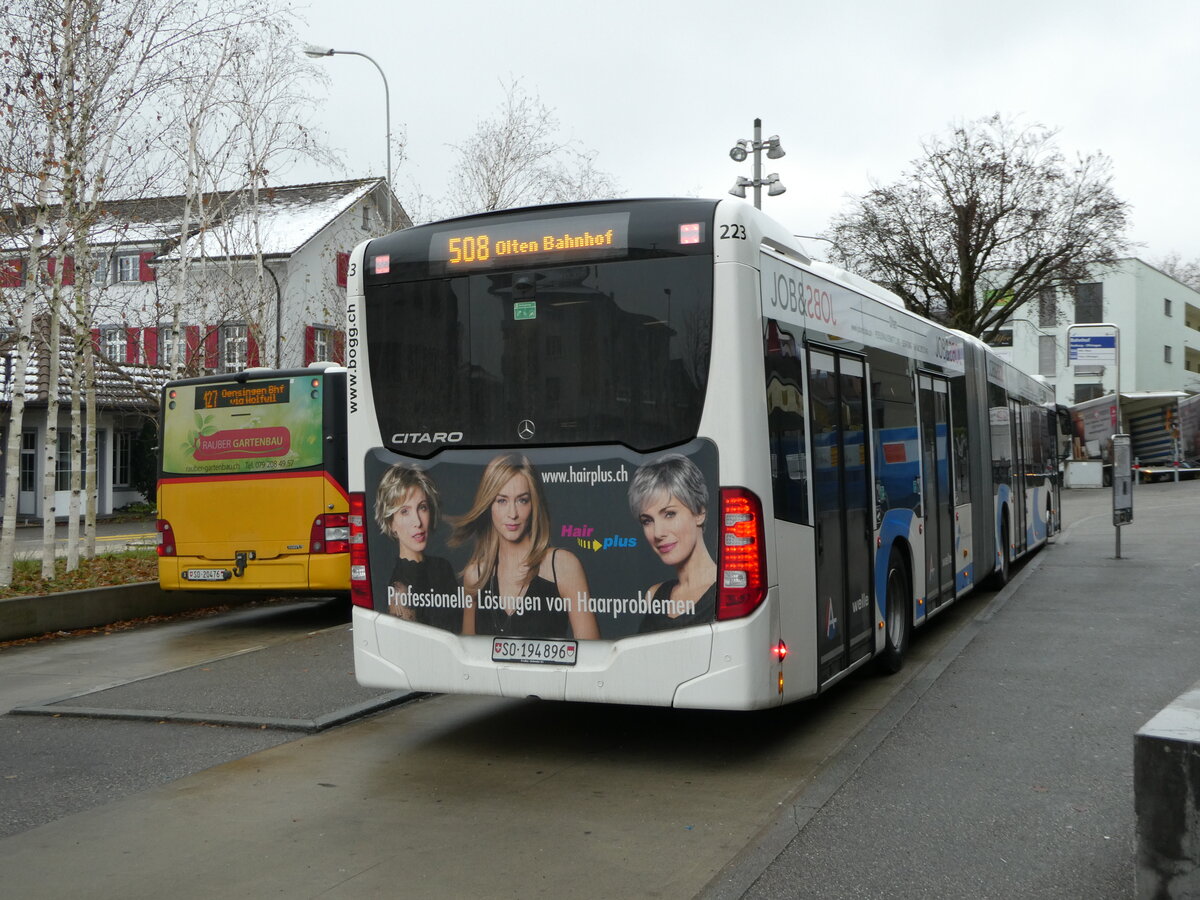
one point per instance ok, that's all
(525, 430)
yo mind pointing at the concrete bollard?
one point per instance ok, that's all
(1166, 780)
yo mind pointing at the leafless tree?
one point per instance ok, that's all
(245, 118)
(518, 158)
(122, 57)
(984, 219)
(87, 86)
(1183, 270)
(31, 111)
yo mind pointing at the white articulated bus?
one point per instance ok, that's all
(649, 452)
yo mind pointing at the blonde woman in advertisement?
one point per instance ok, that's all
(669, 498)
(520, 584)
(422, 588)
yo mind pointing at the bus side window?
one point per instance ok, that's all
(786, 425)
(961, 448)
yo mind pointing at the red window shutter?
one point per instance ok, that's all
(150, 343)
(342, 268)
(10, 272)
(145, 272)
(192, 337)
(131, 344)
(339, 347)
(251, 347)
(211, 355)
(96, 341)
(310, 344)
(68, 277)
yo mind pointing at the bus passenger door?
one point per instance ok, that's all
(936, 502)
(1020, 469)
(843, 510)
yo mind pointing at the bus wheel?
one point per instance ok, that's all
(1000, 574)
(899, 614)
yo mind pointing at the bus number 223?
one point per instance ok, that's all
(733, 232)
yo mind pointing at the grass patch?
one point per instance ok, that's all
(129, 567)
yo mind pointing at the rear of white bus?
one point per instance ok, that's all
(575, 343)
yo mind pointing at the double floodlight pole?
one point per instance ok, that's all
(316, 53)
(744, 148)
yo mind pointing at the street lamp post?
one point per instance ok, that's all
(316, 53)
(744, 148)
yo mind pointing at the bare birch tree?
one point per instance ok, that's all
(30, 110)
(247, 118)
(92, 78)
(518, 158)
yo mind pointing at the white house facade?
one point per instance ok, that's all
(1159, 334)
(249, 279)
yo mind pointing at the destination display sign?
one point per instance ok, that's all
(260, 393)
(531, 241)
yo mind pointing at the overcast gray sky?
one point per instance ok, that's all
(661, 89)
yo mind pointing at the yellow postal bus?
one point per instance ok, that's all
(252, 482)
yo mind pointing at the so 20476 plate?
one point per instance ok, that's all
(207, 574)
(534, 650)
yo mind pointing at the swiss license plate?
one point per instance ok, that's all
(207, 574)
(526, 650)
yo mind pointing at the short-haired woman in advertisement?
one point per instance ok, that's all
(669, 498)
(520, 584)
(422, 588)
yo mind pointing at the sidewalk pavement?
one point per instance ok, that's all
(113, 535)
(1007, 771)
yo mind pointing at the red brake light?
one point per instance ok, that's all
(330, 533)
(360, 568)
(743, 557)
(166, 538)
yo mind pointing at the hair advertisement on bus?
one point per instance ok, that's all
(548, 543)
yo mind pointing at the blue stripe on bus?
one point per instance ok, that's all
(897, 523)
(1003, 492)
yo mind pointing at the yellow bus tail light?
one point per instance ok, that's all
(166, 538)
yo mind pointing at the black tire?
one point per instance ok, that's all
(1000, 574)
(898, 622)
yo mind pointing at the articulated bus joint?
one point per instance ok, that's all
(241, 557)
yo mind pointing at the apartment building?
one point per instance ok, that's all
(1159, 322)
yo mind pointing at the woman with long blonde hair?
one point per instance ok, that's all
(519, 583)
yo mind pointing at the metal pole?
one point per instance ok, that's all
(1120, 427)
(758, 163)
(387, 116)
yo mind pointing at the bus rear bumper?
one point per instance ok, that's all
(688, 668)
(296, 574)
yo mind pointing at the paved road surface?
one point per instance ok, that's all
(999, 765)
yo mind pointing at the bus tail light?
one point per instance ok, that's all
(330, 533)
(743, 556)
(360, 568)
(166, 538)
